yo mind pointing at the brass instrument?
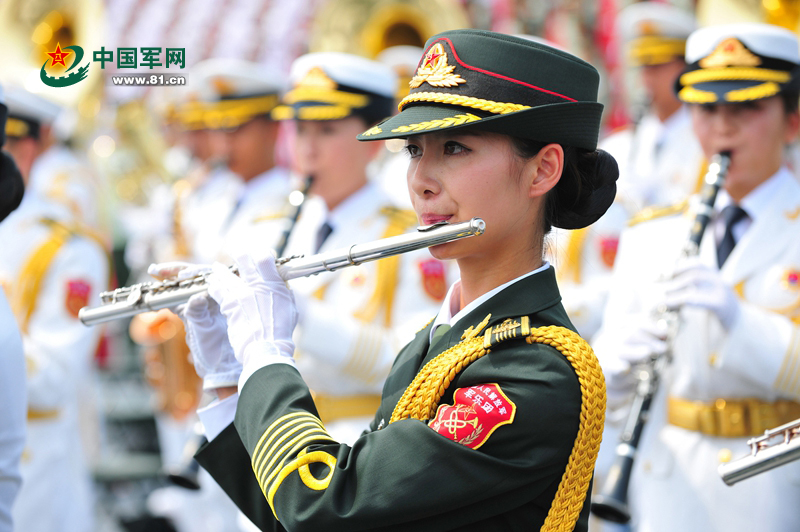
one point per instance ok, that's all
(611, 504)
(367, 27)
(775, 448)
(143, 297)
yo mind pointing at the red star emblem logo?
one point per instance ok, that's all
(58, 56)
(432, 56)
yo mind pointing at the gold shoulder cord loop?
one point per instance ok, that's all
(422, 397)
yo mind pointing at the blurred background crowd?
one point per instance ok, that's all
(122, 176)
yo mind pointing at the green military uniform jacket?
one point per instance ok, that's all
(405, 475)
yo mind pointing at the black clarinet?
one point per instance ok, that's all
(296, 199)
(611, 504)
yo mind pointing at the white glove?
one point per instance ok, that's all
(207, 337)
(642, 341)
(697, 285)
(259, 309)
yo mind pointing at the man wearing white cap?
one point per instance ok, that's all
(12, 362)
(49, 167)
(735, 356)
(658, 157)
(240, 96)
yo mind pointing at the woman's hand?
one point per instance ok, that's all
(259, 309)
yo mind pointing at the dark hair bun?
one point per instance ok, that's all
(12, 186)
(586, 190)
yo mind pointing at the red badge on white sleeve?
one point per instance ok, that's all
(475, 414)
(78, 292)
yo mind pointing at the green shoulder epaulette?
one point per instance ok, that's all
(658, 211)
(398, 216)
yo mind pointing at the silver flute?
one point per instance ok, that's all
(145, 297)
(776, 447)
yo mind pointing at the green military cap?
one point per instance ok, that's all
(736, 63)
(498, 83)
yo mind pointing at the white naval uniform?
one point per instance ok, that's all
(662, 169)
(56, 486)
(659, 163)
(12, 414)
(60, 176)
(340, 351)
(250, 219)
(675, 484)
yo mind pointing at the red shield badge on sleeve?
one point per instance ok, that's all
(608, 250)
(475, 414)
(78, 292)
(433, 280)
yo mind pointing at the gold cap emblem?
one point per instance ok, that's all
(730, 52)
(435, 70)
(318, 79)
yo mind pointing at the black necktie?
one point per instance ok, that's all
(731, 215)
(322, 234)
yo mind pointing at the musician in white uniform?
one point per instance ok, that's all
(659, 159)
(735, 357)
(360, 315)
(52, 266)
(52, 169)
(12, 360)
(242, 97)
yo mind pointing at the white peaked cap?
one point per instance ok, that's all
(349, 70)
(763, 39)
(221, 78)
(655, 18)
(31, 106)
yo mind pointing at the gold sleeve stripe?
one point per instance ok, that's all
(291, 448)
(301, 463)
(788, 379)
(272, 427)
(269, 455)
(280, 433)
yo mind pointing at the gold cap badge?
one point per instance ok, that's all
(730, 52)
(318, 79)
(435, 70)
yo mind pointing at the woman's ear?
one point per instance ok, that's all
(546, 169)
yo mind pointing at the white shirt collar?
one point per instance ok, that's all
(450, 302)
